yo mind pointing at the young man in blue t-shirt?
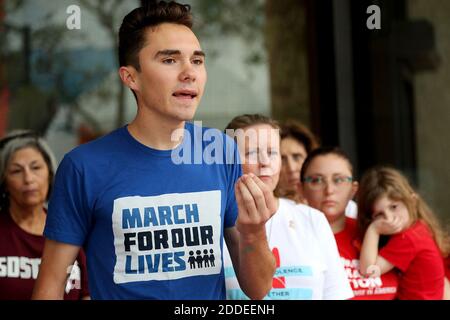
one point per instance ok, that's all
(153, 225)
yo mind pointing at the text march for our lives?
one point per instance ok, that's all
(170, 236)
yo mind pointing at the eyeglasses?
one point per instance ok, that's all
(319, 182)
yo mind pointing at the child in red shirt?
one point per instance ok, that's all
(388, 206)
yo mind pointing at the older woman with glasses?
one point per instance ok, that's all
(27, 169)
(327, 183)
(308, 263)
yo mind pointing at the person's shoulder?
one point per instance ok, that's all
(207, 132)
(304, 212)
(100, 147)
(217, 147)
(419, 230)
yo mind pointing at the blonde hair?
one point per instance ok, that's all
(386, 181)
(247, 120)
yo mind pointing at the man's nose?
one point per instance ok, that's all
(188, 72)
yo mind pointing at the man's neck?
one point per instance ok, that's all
(156, 132)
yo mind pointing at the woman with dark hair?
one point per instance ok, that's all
(297, 141)
(27, 168)
(328, 184)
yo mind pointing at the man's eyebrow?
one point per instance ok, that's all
(171, 52)
(167, 52)
(199, 53)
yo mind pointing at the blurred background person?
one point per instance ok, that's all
(27, 168)
(297, 141)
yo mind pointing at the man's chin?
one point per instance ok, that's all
(187, 115)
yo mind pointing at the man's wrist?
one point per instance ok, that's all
(250, 238)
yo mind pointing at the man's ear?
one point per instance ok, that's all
(128, 75)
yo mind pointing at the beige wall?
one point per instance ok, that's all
(432, 96)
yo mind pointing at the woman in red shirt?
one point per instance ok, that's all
(328, 185)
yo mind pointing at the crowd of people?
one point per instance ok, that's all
(273, 217)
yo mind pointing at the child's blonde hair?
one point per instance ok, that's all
(386, 181)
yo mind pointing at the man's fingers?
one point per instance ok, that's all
(256, 193)
(238, 194)
(247, 198)
(270, 202)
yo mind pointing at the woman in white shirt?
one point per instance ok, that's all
(308, 263)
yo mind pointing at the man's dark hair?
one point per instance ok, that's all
(135, 24)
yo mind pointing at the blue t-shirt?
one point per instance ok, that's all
(152, 228)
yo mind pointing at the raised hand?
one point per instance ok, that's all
(256, 205)
(254, 263)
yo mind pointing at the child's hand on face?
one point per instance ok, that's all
(388, 226)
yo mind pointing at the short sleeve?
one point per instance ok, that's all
(336, 285)
(234, 171)
(68, 218)
(399, 251)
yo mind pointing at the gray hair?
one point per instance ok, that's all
(14, 141)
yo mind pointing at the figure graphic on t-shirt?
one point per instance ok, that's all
(74, 280)
(206, 258)
(191, 259)
(278, 282)
(212, 258)
(199, 259)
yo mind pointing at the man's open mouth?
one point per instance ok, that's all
(186, 94)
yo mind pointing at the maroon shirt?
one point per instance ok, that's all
(20, 257)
